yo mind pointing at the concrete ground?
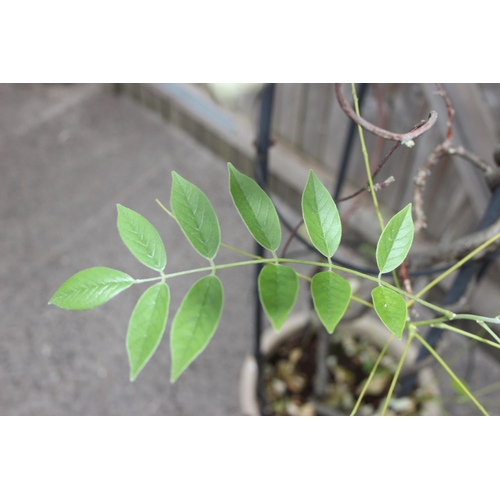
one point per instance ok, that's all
(68, 155)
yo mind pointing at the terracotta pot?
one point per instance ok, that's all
(366, 326)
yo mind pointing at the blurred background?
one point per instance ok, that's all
(70, 153)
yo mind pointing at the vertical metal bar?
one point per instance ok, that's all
(262, 145)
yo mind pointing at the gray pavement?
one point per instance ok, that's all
(68, 154)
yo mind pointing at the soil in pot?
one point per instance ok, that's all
(289, 379)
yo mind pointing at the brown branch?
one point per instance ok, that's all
(374, 173)
(492, 175)
(450, 111)
(419, 182)
(433, 159)
(406, 139)
(291, 237)
(366, 187)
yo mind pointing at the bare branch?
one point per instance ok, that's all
(406, 139)
(491, 173)
(446, 148)
(374, 173)
(419, 182)
(433, 159)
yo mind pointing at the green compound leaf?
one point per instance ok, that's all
(321, 216)
(255, 208)
(395, 241)
(141, 238)
(391, 309)
(195, 323)
(91, 288)
(195, 216)
(331, 295)
(278, 288)
(146, 326)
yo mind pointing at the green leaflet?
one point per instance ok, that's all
(321, 216)
(331, 295)
(146, 326)
(195, 322)
(91, 288)
(195, 216)
(278, 288)
(255, 208)
(391, 309)
(395, 242)
(141, 238)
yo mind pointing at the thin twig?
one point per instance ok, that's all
(406, 139)
(446, 148)
(366, 187)
(433, 159)
(291, 237)
(491, 174)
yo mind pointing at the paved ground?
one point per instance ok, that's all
(68, 154)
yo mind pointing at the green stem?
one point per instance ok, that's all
(444, 326)
(246, 254)
(489, 330)
(372, 373)
(361, 301)
(432, 322)
(166, 209)
(442, 319)
(457, 265)
(473, 317)
(451, 374)
(148, 280)
(398, 370)
(450, 315)
(367, 161)
(487, 389)
(275, 257)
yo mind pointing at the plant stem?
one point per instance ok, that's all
(445, 326)
(242, 252)
(148, 280)
(489, 330)
(166, 209)
(456, 266)
(450, 315)
(372, 373)
(487, 389)
(367, 161)
(473, 317)
(431, 322)
(451, 374)
(398, 370)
